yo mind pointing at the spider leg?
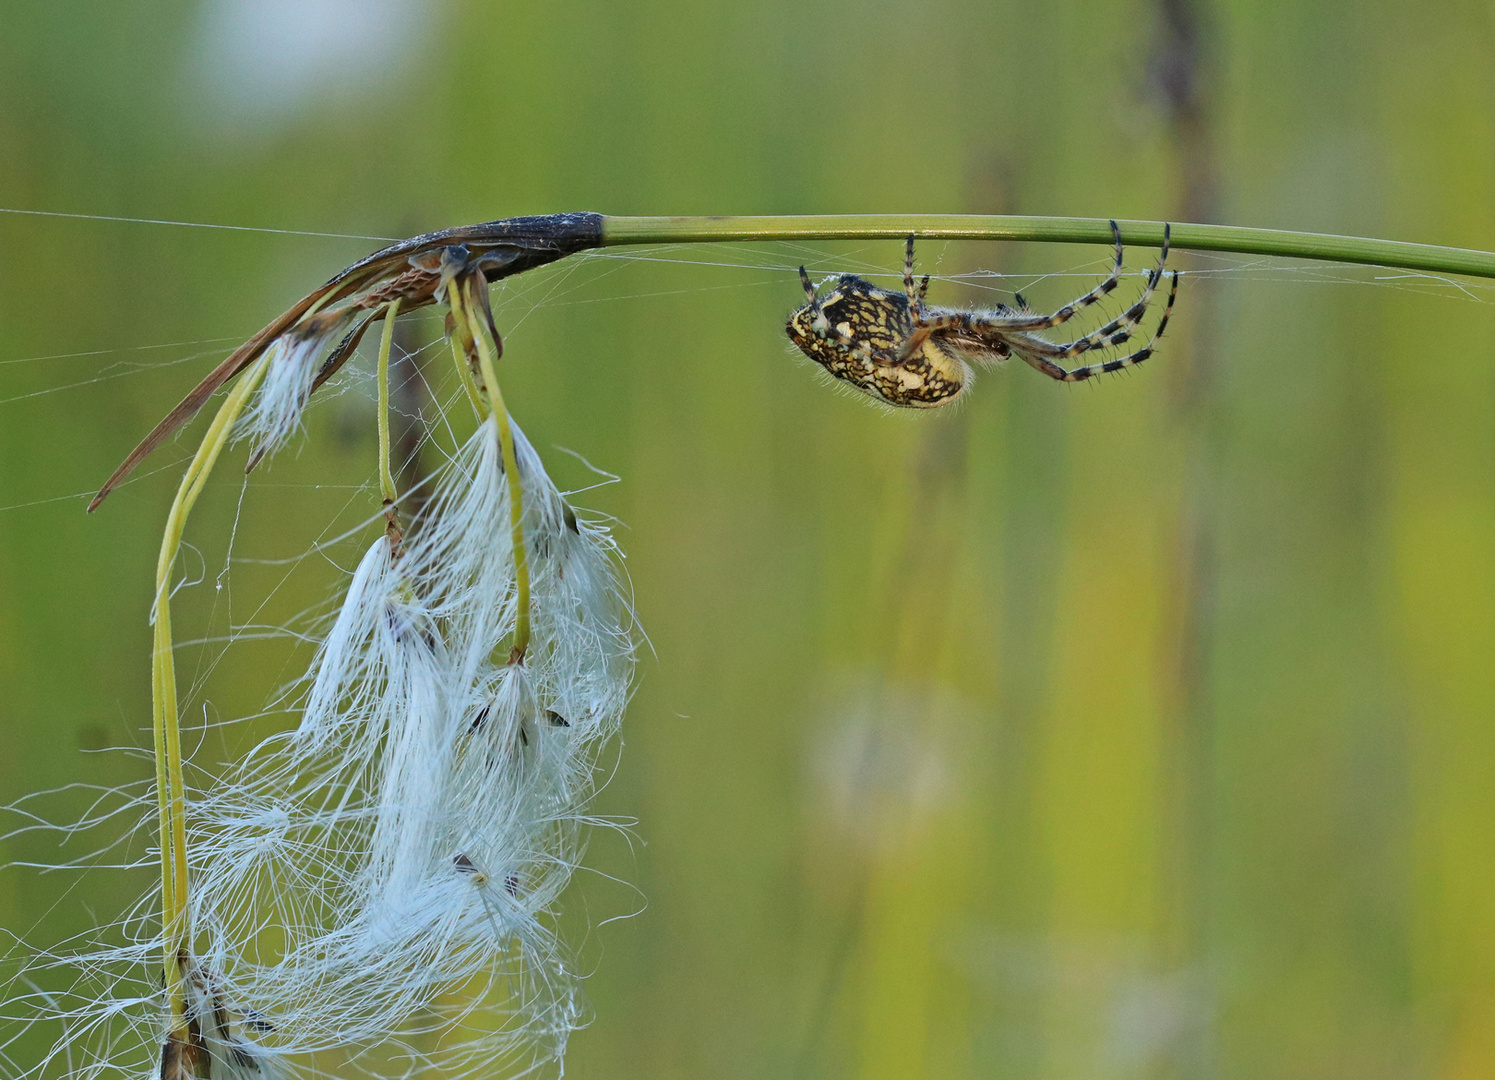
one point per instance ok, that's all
(986, 329)
(804, 279)
(1068, 311)
(819, 323)
(915, 296)
(1026, 320)
(1054, 371)
(1114, 333)
(923, 325)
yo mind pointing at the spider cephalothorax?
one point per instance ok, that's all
(895, 348)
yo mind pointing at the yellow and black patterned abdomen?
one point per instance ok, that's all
(863, 330)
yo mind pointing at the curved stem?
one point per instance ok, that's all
(171, 798)
(386, 478)
(387, 490)
(1064, 230)
(465, 315)
(458, 340)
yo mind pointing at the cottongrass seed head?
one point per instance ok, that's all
(373, 891)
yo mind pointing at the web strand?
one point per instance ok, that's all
(192, 224)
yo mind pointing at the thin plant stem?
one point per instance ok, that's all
(1063, 230)
(464, 312)
(458, 340)
(386, 478)
(387, 490)
(170, 787)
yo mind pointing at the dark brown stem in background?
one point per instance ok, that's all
(1181, 72)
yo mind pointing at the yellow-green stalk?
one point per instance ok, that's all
(460, 331)
(386, 478)
(464, 313)
(170, 787)
(1187, 236)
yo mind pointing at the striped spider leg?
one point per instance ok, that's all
(987, 337)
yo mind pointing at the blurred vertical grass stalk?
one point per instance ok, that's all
(1184, 72)
(921, 868)
(1439, 533)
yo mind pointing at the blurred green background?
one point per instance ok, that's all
(1135, 729)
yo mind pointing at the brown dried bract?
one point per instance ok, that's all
(414, 271)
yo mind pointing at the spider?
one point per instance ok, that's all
(893, 347)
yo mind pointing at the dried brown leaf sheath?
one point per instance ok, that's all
(496, 249)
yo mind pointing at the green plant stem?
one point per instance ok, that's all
(386, 478)
(617, 231)
(170, 786)
(458, 338)
(463, 310)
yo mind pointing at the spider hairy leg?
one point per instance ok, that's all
(1030, 322)
(1115, 332)
(915, 295)
(980, 332)
(818, 323)
(1054, 371)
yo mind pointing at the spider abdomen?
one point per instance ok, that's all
(856, 332)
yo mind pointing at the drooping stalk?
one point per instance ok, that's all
(464, 314)
(386, 478)
(617, 231)
(170, 786)
(458, 340)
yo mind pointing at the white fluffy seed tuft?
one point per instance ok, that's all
(377, 886)
(275, 412)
